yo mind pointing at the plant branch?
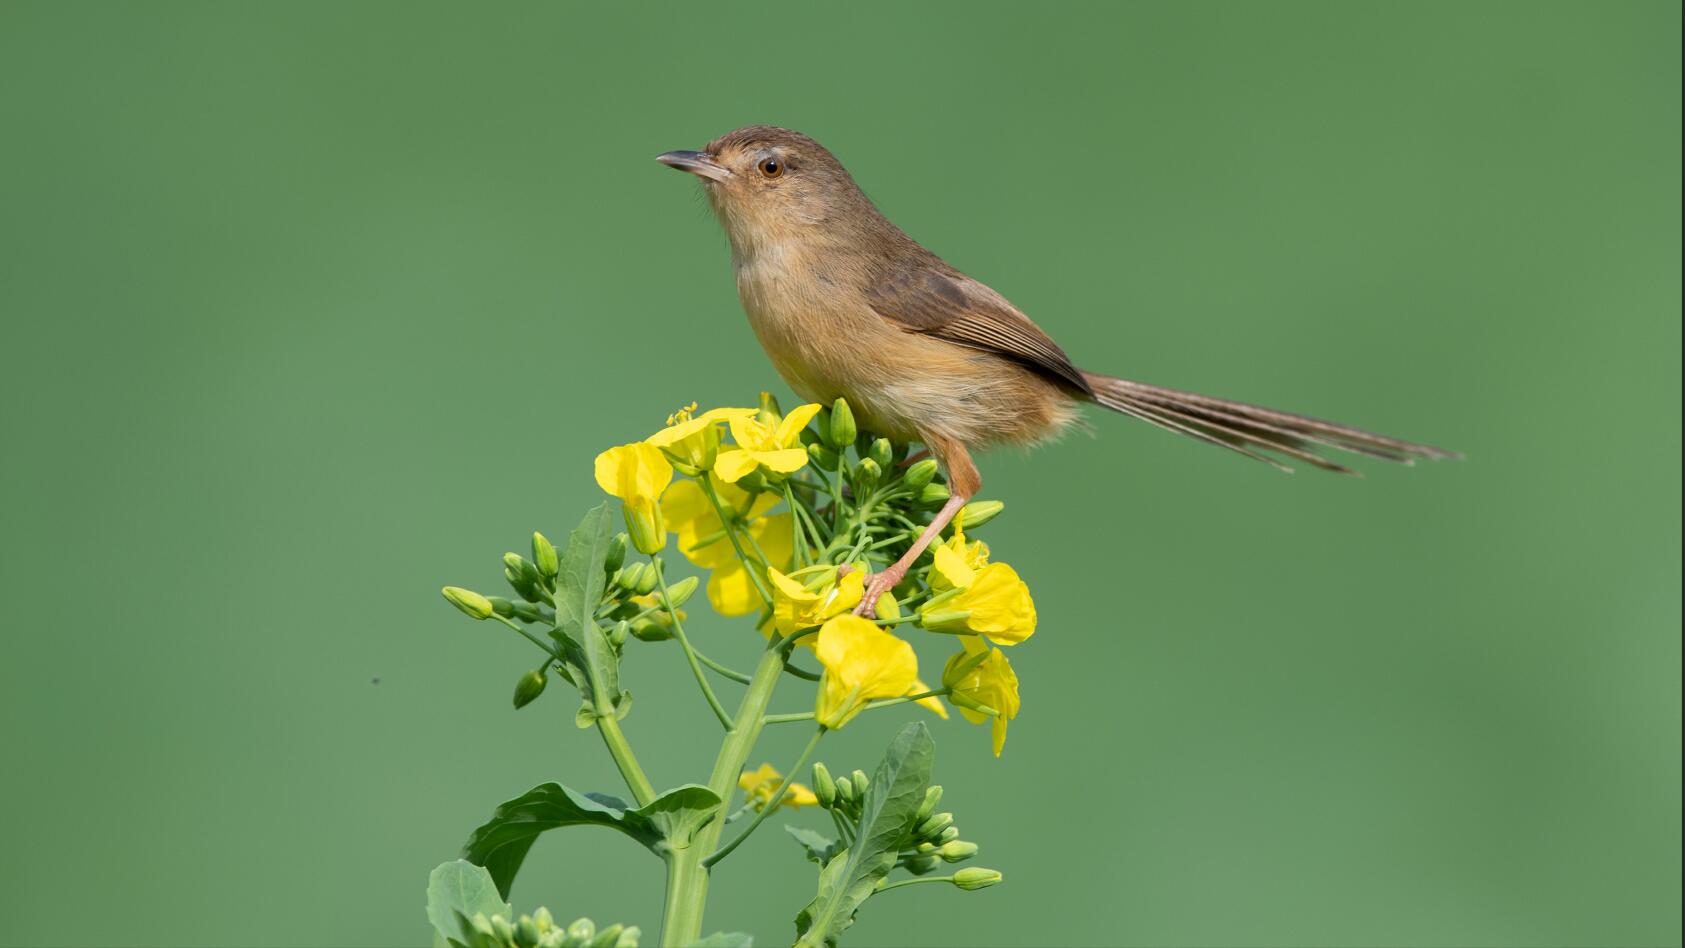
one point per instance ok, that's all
(684, 643)
(872, 706)
(773, 802)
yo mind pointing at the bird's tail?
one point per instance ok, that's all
(1249, 429)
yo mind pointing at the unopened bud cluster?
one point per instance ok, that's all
(539, 930)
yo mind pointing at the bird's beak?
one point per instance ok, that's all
(698, 163)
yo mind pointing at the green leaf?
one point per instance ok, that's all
(579, 590)
(460, 888)
(886, 821)
(670, 821)
(725, 940)
(819, 847)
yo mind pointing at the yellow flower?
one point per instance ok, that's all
(759, 786)
(996, 603)
(692, 443)
(690, 514)
(730, 588)
(797, 605)
(637, 474)
(989, 682)
(932, 703)
(772, 443)
(861, 662)
(957, 562)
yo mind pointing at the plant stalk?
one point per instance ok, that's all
(687, 878)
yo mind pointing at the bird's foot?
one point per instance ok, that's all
(914, 458)
(878, 584)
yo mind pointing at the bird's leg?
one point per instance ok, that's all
(887, 579)
(914, 458)
(963, 482)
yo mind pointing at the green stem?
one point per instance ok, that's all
(684, 643)
(873, 706)
(621, 751)
(724, 672)
(736, 545)
(548, 649)
(687, 878)
(798, 531)
(919, 881)
(801, 672)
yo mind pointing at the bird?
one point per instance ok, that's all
(847, 305)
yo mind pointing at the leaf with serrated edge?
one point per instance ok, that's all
(886, 820)
(668, 822)
(460, 888)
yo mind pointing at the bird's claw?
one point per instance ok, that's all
(876, 586)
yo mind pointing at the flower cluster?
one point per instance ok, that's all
(788, 527)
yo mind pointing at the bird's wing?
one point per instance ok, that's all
(962, 311)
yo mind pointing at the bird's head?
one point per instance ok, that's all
(770, 185)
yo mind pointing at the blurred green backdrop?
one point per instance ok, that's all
(312, 308)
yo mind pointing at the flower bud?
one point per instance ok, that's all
(521, 566)
(948, 835)
(887, 606)
(544, 919)
(505, 932)
(469, 601)
(865, 477)
(530, 686)
(933, 825)
(957, 850)
(978, 512)
(882, 452)
(920, 474)
(972, 878)
(845, 791)
(523, 586)
(618, 632)
(649, 630)
(616, 554)
(608, 937)
(933, 495)
(841, 431)
(861, 782)
(502, 606)
(754, 482)
(526, 611)
(647, 578)
(925, 848)
(919, 865)
(582, 930)
(644, 525)
(482, 924)
(823, 786)
(527, 932)
(769, 405)
(678, 592)
(932, 797)
(544, 556)
(630, 576)
(822, 457)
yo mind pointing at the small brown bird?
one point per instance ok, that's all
(849, 306)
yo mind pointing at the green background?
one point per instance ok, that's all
(310, 309)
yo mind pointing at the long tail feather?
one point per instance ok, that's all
(1250, 429)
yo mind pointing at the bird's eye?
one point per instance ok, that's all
(771, 167)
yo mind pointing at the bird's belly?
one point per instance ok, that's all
(902, 385)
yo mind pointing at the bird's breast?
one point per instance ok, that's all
(807, 316)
